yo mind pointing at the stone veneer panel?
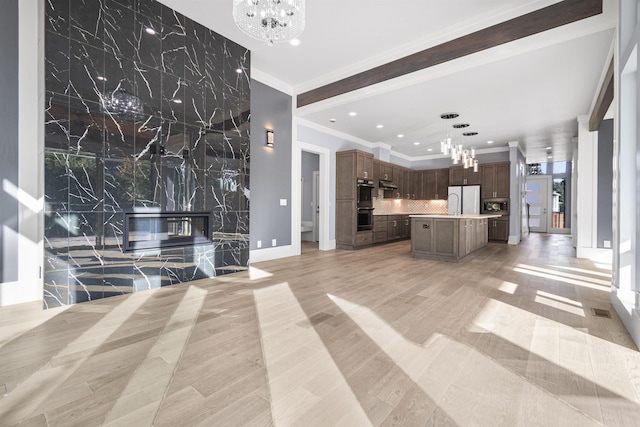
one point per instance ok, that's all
(183, 145)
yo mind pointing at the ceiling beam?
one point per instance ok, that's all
(556, 15)
(604, 100)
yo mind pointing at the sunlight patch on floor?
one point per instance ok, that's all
(306, 386)
(257, 274)
(455, 376)
(149, 383)
(32, 392)
(571, 279)
(582, 270)
(508, 287)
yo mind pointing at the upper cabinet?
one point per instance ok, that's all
(364, 165)
(376, 172)
(386, 171)
(495, 180)
(458, 175)
(350, 165)
(435, 184)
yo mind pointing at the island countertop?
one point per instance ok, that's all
(461, 216)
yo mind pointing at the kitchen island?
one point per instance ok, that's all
(448, 237)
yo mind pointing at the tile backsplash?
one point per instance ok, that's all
(403, 206)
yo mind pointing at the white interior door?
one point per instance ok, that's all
(537, 189)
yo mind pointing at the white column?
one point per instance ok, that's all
(30, 157)
(587, 194)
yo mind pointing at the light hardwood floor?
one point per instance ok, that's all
(339, 338)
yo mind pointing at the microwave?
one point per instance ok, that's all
(495, 206)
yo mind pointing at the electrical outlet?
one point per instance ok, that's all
(607, 243)
(273, 242)
(283, 202)
(259, 244)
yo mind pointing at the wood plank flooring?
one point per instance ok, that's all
(506, 337)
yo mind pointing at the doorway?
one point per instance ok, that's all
(309, 194)
(537, 195)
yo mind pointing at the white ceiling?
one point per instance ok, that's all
(530, 91)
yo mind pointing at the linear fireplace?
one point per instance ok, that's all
(156, 230)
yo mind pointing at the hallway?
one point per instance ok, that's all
(370, 337)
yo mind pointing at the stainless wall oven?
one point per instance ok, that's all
(365, 193)
(365, 219)
(364, 204)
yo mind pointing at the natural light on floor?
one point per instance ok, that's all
(572, 279)
(33, 391)
(150, 380)
(454, 375)
(306, 386)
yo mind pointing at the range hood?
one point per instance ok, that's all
(387, 185)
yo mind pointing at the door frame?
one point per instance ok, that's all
(324, 243)
(545, 180)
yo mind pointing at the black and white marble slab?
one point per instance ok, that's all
(180, 144)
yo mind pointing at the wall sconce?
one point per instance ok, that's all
(270, 138)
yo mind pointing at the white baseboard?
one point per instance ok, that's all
(513, 240)
(595, 254)
(331, 245)
(267, 254)
(629, 315)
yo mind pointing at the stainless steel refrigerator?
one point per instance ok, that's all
(463, 199)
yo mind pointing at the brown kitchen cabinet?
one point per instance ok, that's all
(436, 183)
(380, 229)
(364, 165)
(458, 175)
(386, 171)
(499, 229)
(495, 180)
(350, 165)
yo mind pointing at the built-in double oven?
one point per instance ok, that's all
(364, 204)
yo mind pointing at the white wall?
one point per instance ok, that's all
(625, 296)
(31, 157)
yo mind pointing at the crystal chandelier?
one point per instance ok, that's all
(458, 152)
(273, 21)
(122, 104)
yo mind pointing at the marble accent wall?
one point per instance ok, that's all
(146, 110)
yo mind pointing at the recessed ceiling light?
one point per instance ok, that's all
(461, 125)
(416, 143)
(353, 113)
(447, 116)
(380, 126)
(332, 120)
(150, 30)
(177, 100)
(489, 142)
(429, 149)
(295, 42)
(400, 135)
(548, 148)
(549, 157)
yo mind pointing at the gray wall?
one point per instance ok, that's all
(445, 162)
(605, 178)
(310, 162)
(270, 167)
(8, 139)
